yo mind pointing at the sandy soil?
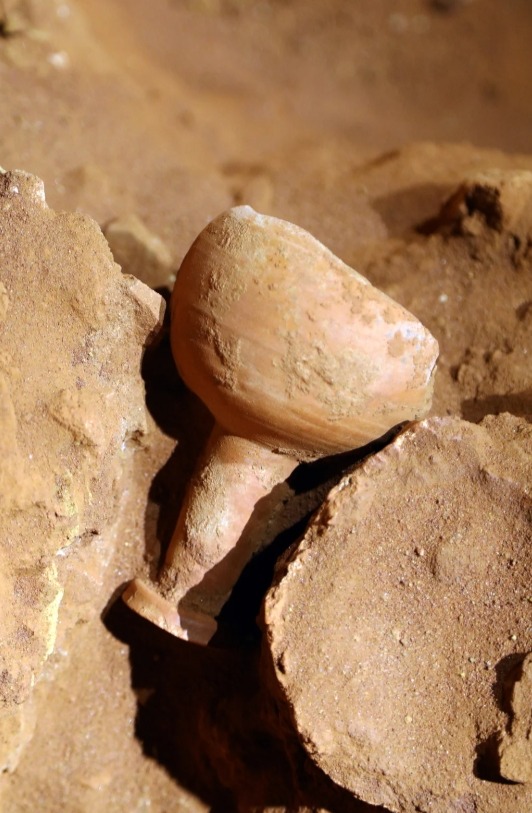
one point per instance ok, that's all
(340, 117)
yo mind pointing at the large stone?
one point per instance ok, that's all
(515, 748)
(72, 333)
(396, 623)
(139, 251)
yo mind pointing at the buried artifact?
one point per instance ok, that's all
(297, 356)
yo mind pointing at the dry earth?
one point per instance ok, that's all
(355, 120)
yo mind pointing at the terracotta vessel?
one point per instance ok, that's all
(297, 356)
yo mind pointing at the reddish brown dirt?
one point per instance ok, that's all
(312, 111)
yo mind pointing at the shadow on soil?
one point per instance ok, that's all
(209, 715)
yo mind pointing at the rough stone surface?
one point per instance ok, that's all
(474, 260)
(515, 748)
(397, 620)
(140, 252)
(72, 334)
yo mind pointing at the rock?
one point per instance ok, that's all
(395, 623)
(475, 259)
(140, 252)
(497, 200)
(515, 749)
(72, 334)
